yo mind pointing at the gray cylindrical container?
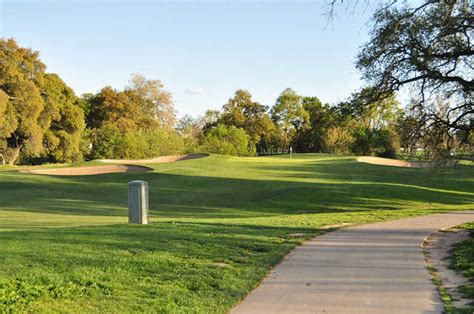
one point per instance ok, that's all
(138, 202)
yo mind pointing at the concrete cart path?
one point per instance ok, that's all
(376, 268)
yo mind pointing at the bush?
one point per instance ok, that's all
(386, 143)
(362, 144)
(227, 140)
(152, 143)
(382, 143)
(337, 140)
(108, 142)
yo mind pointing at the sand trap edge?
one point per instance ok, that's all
(156, 160)
(87, 170)
(399, 163)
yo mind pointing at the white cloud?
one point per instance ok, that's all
(194, 90)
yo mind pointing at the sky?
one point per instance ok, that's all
(202, 51)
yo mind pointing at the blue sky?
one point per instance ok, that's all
(202, 51)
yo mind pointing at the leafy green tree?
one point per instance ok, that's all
(142, 105)
(370, 118)
(369, 110)
(21, 72)
(382, 143)
(386, 143)
(40, 114)
(66, 120)
(289, 114)
(107, 141)
(7, 125)
(321, 118)
(227, 140)
(138, 121)
(242, 112)
(337, 140)
(110, 106)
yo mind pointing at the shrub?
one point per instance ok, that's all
(227, 140)
(337, 140)
(386, 143)
(107, 142)
(152, 143)
(382, 143)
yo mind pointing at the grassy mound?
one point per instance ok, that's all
(218, 225)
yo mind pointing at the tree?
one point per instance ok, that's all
(337, 140)
(36, 107)
(191, 130)
(20, 72)
(110, 106)
(409, 130)
(369, 109)
(372, 120)
(65, 120)
(428, 47)
(107, 141)
(138, 121)
(210, 119)
(142, 104)
(242, 112)
(289, 114)
(7, 125)
(156, 102)
(321, 118)
(227, 140)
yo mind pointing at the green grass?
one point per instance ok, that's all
(218, 225)
(462, 260)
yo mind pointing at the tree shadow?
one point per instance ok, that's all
(320, 187)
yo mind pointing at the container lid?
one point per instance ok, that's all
(137, 182)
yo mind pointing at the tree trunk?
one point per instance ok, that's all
(14, 156)
(3, 159)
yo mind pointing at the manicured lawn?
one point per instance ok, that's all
(218, 225)
(462, 260)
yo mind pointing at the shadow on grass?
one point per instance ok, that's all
(320, 187)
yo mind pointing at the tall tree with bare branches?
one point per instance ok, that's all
(428, 48)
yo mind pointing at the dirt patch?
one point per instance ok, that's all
(399, 163)
(88, 170)
(436, 249)
(156, 160)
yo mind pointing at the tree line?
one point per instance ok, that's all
(426, 48)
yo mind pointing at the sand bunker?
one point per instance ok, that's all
(399, 163)
(87, 171)
(154, 160)
(119, 166)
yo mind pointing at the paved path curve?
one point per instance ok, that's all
(376, 268)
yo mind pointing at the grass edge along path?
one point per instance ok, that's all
(461, 259)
